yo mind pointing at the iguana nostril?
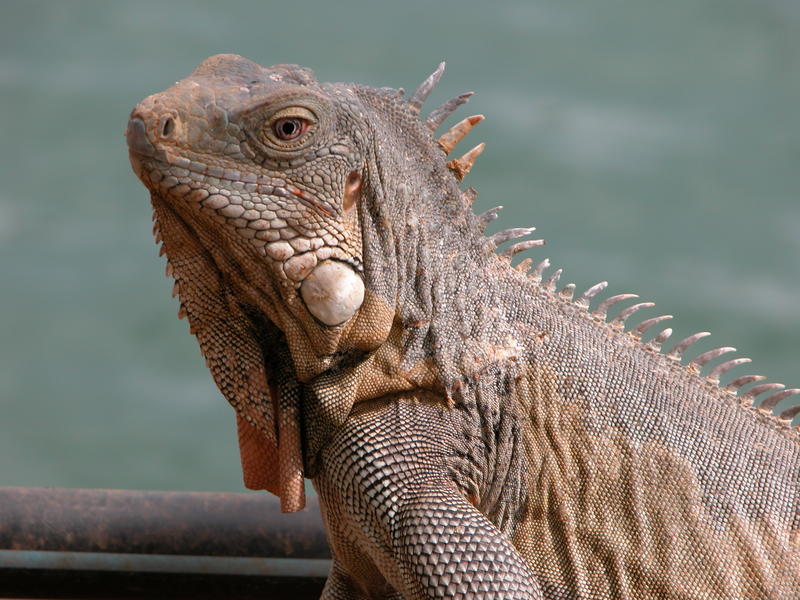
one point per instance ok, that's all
(167, 127)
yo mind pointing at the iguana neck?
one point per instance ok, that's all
(425, 253)
(454, 297)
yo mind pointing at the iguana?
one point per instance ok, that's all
(472, 430)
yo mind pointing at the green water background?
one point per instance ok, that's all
(654, 144)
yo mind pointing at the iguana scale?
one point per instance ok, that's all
(472, 430)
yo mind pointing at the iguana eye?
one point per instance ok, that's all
(289, 128)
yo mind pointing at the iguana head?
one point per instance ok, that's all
(291, 213)
(272, 167)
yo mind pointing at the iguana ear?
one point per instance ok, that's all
(266, 413)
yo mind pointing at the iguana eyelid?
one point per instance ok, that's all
(294, 112)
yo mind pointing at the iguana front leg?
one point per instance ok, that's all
(394, 516)
(340, 585)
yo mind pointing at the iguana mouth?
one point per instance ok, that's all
(264, 183)
(266, 223)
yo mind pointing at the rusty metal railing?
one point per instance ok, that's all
(75, 543)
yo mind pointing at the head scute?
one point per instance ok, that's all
(292, 74)
(391, 92)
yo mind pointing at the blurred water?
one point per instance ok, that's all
(655, 145)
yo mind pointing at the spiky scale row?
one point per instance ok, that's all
(460, 167)
(750, 395)
(642, 327)
(538, 270)
(457, 132)
(169, 271)
(488, 216)
(521, 247)
(678, 351)
(701, 360)
(790, 413)
(602, 309)
(494, 240)
(438, 115)
(550, 282)
(661, 338)
(627, 312)
(509, 234)
(770, 403)
(568, 291)
(746, 399)
(742, 381)
(586, 297)
(680, 348)
(425, 88)
(722, 368)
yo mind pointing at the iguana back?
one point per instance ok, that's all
(473, 431)
(646, 479)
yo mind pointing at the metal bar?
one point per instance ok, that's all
(73, 543)
(165, 563)
(138, 522)
(48, 584)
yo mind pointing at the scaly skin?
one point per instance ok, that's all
(471, 431)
